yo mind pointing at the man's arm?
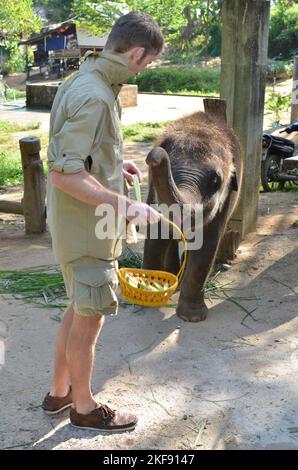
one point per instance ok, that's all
(85, 188)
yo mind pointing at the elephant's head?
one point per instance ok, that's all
(192, 163)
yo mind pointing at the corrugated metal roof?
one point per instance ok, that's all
(84, 38)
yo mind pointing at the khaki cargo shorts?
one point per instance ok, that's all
(90, 285)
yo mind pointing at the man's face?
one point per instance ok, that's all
(137, 61)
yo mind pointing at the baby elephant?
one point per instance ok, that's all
(197, 160)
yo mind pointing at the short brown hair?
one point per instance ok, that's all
(136, 29)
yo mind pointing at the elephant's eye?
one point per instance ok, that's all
(214, 181)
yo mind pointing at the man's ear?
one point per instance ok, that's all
(138, 53)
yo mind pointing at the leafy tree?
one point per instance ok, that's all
(187, 24)
(17, 19)
(283, 33)
(56, 10)
(96, 15)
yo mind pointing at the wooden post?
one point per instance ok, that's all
(294, 109)
(34, 185)
(231, 239)
(243, 77)
(27, 63)
(217, 107)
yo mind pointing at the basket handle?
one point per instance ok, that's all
(182, 268)
(136, 185)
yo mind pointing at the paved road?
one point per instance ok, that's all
(150, 108)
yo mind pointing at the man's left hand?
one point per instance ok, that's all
(130, 169)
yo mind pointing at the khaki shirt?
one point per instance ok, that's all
(84, 129)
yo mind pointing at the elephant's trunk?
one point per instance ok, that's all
(163, 181)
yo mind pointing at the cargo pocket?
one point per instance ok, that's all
(94, 291)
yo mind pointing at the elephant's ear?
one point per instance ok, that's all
(233, 182)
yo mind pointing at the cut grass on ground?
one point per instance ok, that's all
(45, 287)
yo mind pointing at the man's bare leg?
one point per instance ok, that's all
(80, 354)
(61, 378)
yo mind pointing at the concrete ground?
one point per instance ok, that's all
(150, 108)
(227, 383)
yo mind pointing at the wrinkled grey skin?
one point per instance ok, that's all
(197, 160)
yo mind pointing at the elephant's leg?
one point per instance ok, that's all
(191, 306)
(172, 262)
(154, 254)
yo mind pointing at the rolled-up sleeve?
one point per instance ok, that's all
(72, 143)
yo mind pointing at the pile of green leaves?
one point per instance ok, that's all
(41, 286)
(45, 286)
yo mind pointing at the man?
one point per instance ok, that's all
(85, 171)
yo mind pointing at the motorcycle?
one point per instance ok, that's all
(279, 163)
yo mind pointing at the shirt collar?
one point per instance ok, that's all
(111, 67)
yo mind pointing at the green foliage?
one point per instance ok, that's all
(185, 24)
(15, 58)
(13, 94)
(10, 158)
(164, 79)
(278, 103)
(10, 168)
(279, 69)
(17, 19)
(98, 16)
(142, 131)
(57, 11)
(283, 35)
(6, 126)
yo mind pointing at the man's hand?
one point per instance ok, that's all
(130, 169)
(85, 188)
(141, 214)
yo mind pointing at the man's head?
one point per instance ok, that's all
(137, 37)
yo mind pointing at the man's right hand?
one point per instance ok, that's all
(85, 188)
(141, 214)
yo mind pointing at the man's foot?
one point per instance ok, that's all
(52, 405)
(103, 419)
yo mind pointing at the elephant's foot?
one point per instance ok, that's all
(192, 313)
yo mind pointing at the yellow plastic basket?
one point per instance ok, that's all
(144, 279)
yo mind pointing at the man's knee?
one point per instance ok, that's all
(88, 326)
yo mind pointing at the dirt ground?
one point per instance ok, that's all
(227, 383)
